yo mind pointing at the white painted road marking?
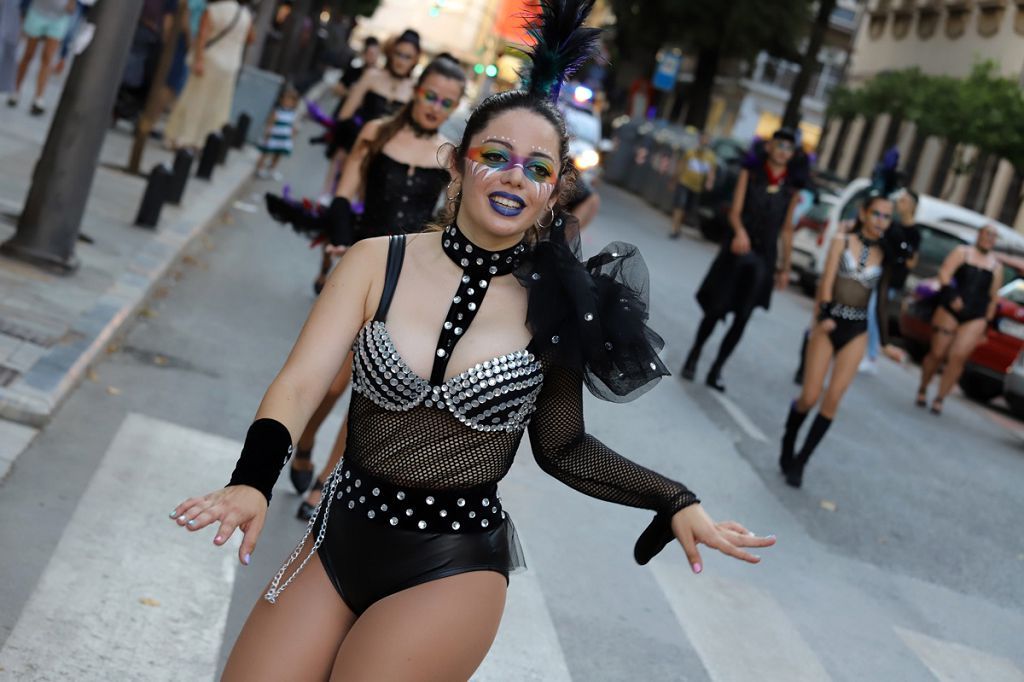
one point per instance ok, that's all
(127, 594)
(740, 417)
(737, 629)
(952, 662)
(527, 648)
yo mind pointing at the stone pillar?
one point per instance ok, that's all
(875, 139)
(827, 146)
(853, 139)
(1000, 185)
(926, 165)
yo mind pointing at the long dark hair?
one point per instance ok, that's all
(870, 200)
(443, 65)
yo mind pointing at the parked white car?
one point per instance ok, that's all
(811, 246)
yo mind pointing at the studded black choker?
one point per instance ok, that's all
(419, 131)
(478, 267)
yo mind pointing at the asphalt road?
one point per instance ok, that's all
(899, 559)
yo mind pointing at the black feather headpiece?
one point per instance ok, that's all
(561, 45)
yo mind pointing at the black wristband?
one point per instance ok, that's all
(338, 222)
(268, 445)
(824, 311)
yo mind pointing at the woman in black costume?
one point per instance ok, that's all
(394, 166)
(377, 93)
(742, 276)
(854, 268)
(407, 574)
(970, 278)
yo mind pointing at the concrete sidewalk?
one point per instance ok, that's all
(52, 327)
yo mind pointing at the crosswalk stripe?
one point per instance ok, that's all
(527, 647)
(952, 662)
(737, 629)
(126, 595)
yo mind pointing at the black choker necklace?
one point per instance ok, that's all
(478, 267)
(419, 131)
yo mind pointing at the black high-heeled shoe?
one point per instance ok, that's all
(301, 478)
(714, 380)
(306, 510)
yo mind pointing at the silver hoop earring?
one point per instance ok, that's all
(550, 221)
(452, 198)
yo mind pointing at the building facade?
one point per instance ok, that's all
(940, 37)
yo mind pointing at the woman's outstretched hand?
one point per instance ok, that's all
(692, 526)
(237, 506)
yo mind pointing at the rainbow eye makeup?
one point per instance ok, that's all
(495, 157)
(431, 97)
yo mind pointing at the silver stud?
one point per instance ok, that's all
(493, 270)
(393, 521)
(555, 339)
(588, 317)
(472, 515)
(615, 254)
(485, 502)
(456, 245)
(495, 256)
(483, 284)
(421, 525)
(654, 366)
(351, 504)
(447, 325)
(479, 261)
(376, 492)
(465, 279)
(472, 306)
(348, 474)
(456, 525)
(469, 248)
(464, 262)
(362, 499)
(458, 331)
(408, 512)
(370, 514)
(430, 499)
(484, 523)
(457, 299)
(608, 345)
(461, 502)
(400, 495)
(440, 352)
(535, 276)
(443, 513)
(470, 291)
(357, 483)
(383, 507)
(447, 242)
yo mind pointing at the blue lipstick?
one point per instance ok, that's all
(504, 209)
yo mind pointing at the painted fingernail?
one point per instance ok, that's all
(246, 559)
(697, 568)
(771, 537)
(191, 522)
(217, 540)
(173, 514)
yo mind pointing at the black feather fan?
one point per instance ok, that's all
(561, 45)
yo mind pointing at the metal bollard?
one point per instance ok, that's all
(241, 130)
(208, 157)
(182, 167)
(154, 196)
(227, 136)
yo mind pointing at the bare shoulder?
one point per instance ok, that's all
(370, 129)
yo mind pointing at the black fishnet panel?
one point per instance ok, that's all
(563, 449)
(426, 447)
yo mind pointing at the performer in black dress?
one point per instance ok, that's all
(855, 268)
(742, 276)
(377, 93)
(971, 278)
(465, 338)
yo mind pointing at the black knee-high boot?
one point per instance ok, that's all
(793, 423)
(729, 343)
(707, 325)
(798, 377)
(819, 426)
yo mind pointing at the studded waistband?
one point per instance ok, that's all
(420, 509)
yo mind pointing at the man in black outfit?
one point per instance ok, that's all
(743, 274)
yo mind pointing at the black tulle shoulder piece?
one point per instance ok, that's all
(561, 45)
(592, 315)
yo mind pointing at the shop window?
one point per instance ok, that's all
(878, 17)
(902, 18)
(929, 13)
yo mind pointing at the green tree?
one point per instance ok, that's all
(714, 30)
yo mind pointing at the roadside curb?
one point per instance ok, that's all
(33, 398)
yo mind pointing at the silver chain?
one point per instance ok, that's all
(273, 592)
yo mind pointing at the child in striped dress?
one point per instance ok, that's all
(279, 134)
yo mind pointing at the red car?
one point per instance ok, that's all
(986, 369)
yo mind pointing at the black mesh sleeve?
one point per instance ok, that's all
(564, 449)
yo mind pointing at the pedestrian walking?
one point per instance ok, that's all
(408, 573)
(377, 93)
(205, 104)
(854, 268)
(749, 264)
(10, 34)
(278, 134)
(46, 23)
(971, 278)
(695, 173)
(177, 76)
(398, 173)
(901, 242)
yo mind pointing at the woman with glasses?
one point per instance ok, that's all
(970, 278)
(394, 167)
(854, 268)
(377, 93)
